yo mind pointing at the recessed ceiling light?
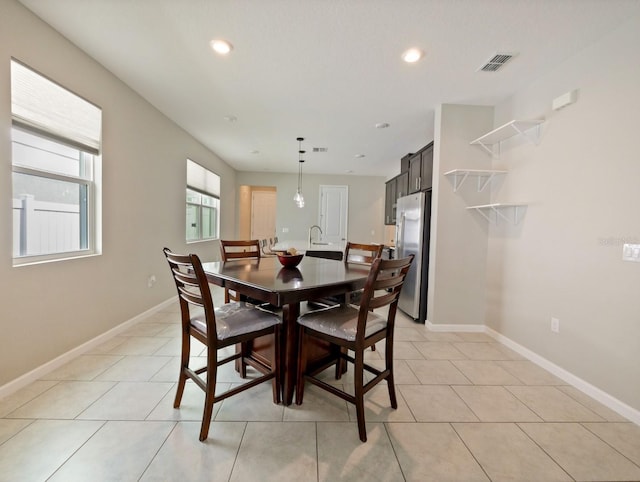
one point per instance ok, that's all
(359, 156)
(255, 151)
(221, 46)
(230, 118)
(412, 55)
(382, 125)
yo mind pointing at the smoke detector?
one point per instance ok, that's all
(496, 61)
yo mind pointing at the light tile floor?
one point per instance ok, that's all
(469, 409)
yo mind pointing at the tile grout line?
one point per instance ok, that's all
(393, 448)
(104, 422)
(607, 443)
(469, 449)
(517, 424)
(175, 426)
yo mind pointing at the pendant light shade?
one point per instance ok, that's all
(299, 198)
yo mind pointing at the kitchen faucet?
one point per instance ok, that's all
(311, 229)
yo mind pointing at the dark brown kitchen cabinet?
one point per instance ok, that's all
(416, 174)
(402, 185)
(395, 188)
(426, 159)
(390, 201)
(421, 169)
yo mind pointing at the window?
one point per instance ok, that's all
(55, 164)
(203, 203)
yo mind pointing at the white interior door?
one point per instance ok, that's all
(334, 206)
(263, 214)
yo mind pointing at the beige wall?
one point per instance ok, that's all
(48, 309)
(564, 258)
(366, 203)
(582, 186)
(458, 249)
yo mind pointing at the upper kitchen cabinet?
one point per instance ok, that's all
(402, 185)
(416, 175)
(421, 169)
(390, 201)
(395, 188)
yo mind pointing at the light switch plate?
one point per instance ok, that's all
(631, 252)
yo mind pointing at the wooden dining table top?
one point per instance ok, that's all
(267, 280)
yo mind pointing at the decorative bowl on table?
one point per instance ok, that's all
(290, 260)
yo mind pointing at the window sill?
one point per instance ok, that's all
(35, 260)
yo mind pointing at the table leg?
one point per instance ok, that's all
(289, 346)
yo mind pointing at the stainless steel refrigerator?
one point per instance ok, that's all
(413, 219)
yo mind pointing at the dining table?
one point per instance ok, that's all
(291, 291)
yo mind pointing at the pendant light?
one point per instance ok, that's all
(299, 198)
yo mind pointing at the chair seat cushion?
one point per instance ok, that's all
(233, 319)
(342, 322)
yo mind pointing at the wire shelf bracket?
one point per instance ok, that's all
(530, 129)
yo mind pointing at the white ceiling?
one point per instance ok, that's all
(326, 70)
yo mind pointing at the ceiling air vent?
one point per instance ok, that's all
(320, 149)
(496, 62)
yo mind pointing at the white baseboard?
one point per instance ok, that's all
(57, 362)
(454, 328)
(601, 396)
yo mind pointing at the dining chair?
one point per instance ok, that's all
(355, 328)
(238, 249)
(218, 328)
(357, 253)
(265, 248)
(360, 253)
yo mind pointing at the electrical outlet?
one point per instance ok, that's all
(151, 280)
(555, 325)
(285, 230)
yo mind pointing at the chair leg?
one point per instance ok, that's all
(275, 368)
(389, 366)
(302, 366)
(184, 363)
(341, 363)
(358, 375)
(209, 397)
(239, 364)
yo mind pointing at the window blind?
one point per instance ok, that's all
(39, 104)
(202, 179)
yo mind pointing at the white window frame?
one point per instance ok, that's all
(60, 132)
(206, 183)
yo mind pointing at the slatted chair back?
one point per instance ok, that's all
(193, 289)
(383, 286)
(238, 249)
(362, 253)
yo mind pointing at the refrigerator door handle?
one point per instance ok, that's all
(400, 236)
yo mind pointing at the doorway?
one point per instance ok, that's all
(263, 214)
(247, 206)
(334, 206)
